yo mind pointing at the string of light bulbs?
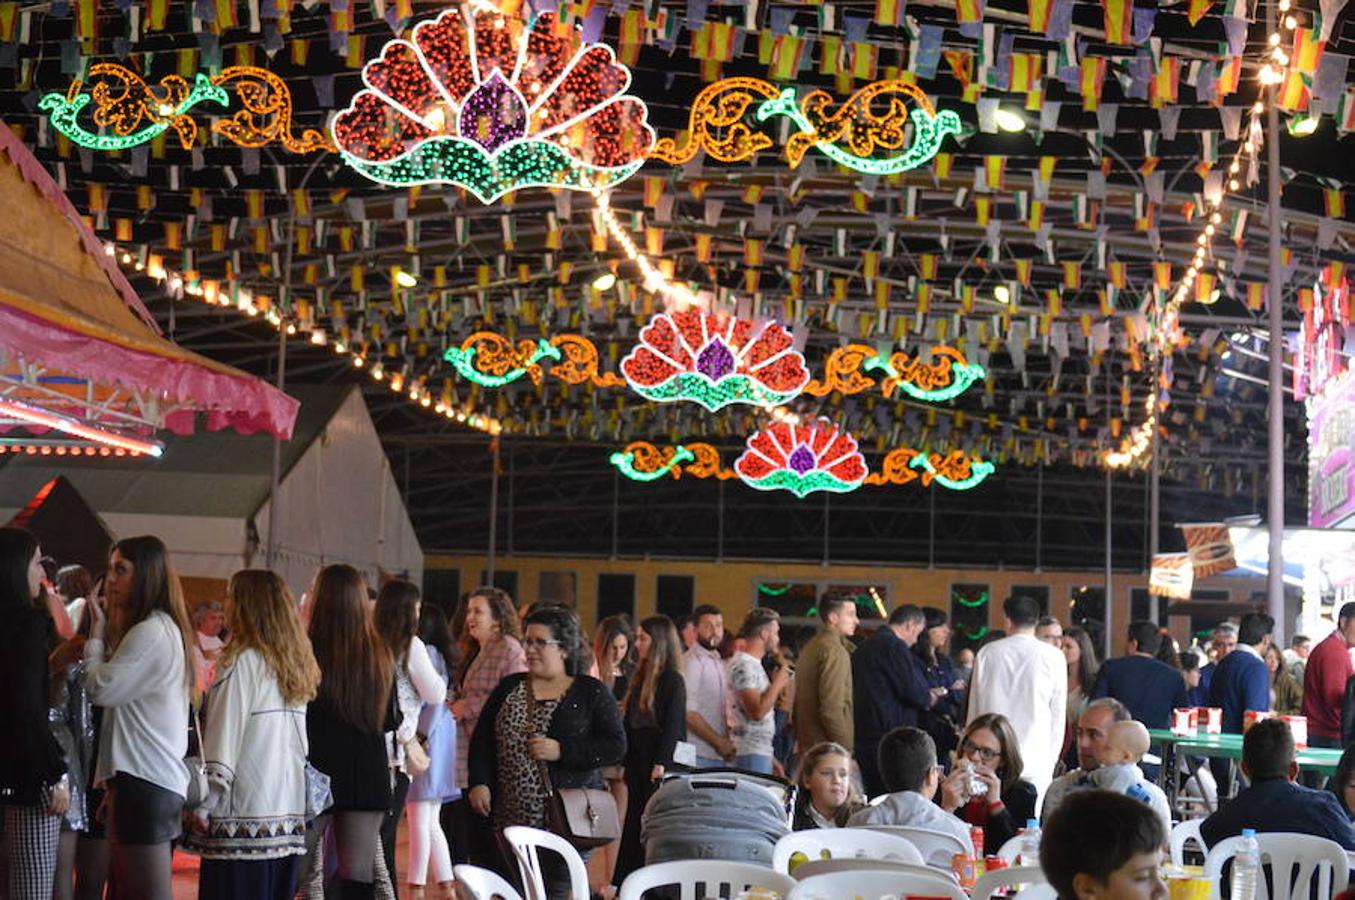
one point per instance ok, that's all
(178, 285)
(1134, 448)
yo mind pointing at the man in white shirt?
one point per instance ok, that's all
(908, 768)
(752, 694)
(704, 672)
(1026, 680)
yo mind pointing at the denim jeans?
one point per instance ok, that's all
(710, 762)
(754, 762)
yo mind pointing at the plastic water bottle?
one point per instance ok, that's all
(1030, 843)
(1246, 867)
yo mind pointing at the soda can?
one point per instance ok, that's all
(962, 864)
(976, 838)
(993, 863)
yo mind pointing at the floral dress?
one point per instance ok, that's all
(521, 795)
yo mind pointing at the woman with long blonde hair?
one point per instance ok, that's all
(145, 687)
(346, 724)
(655, 717)
(251, 827)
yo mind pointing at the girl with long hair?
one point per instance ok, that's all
(34, 788)
(942, 718)
(555, 715)
(1080, 655)
(491, 651)
(827, 797)
(655, 717)
(417, 684)
(429, 790)
(251, 828)
(614, 653)
(346, 724)
(145, 687)
(985, 786)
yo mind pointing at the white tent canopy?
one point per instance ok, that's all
(208, 496)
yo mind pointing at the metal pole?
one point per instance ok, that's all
(493, 511)
(1275, 404)
(275, 475)
(720, 523)
(1154, 513)
(616, 511)
(825, 528)
(931, 526)
(1110, 582)
(1039, 513)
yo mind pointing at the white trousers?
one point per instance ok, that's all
(427, 843)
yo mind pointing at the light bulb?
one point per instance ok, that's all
(1002, 294)
(1007, 120)
(604, 282)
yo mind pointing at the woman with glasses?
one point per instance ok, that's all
(985, 786)
(553, 720)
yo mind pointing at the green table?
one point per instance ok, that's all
(1223, 746)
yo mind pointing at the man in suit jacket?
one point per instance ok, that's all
(888, 689)
(1274, 802)
(823, 677)
(1148, 687)
(1241, 683)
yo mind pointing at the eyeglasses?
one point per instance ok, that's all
(538, 643)
(983, 753)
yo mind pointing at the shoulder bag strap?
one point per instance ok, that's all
(531, 724)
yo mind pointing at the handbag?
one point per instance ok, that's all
(586, 817)
(197, 771)
(319, 797)
(416, 757)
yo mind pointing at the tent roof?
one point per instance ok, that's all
(210, 475)
(67, 528)
(79, 333)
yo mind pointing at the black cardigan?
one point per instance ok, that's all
(1018, 806)
(651, 740)
(586, 722)
(30, 757)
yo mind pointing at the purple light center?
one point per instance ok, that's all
(715, 361)
(493, 114)
(801, 460)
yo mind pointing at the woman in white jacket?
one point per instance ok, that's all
(416, 682)
(144, 687)
(251, 829)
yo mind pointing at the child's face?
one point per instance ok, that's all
(1138, 879)
(828, 781)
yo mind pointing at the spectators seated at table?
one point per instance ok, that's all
(985, 786)
(1103, 846)
(1274, 802)
(827, 797)
(911, 775)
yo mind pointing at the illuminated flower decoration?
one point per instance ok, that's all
(714, 360)
(481, 100)
(802, 459)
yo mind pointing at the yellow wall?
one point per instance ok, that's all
(732, 585)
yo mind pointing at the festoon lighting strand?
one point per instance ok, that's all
(1168, 331)
(179, 286)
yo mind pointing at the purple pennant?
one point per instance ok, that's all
(493, 114)
(801, 460)
(715, 361)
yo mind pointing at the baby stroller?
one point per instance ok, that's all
(716, 814)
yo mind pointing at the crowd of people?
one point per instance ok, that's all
(284, 742)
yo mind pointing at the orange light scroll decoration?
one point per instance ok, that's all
(715, 123)
(267, 113)
(580, 362)
(948, 375)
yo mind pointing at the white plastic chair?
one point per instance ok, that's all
(829, 866)
(1282, 851)
(1182, 833)
(875, 883)
(484, 884)
(526, 843)
(843, 843)
(936, 847)
(1011, 850)
(1042, 891)
(1000, 878)
(699, 878)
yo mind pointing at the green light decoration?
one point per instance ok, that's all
(802, 485)
(698, 388)
(773, 591)
(972, 635)
(962, 375)
(965, 601)
(979, 471)
(463, 360)
(64, 111)
(523, 164)
(625, 464)
(929, 128)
